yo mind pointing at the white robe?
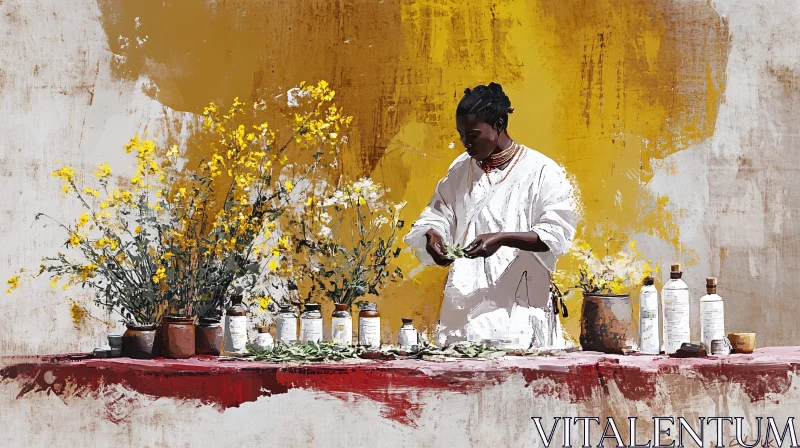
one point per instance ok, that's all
(505, 296)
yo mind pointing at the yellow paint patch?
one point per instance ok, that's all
(605, 87)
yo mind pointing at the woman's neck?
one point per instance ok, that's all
(504, 142)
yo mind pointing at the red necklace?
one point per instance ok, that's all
(499, 159)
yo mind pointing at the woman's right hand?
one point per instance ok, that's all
(436, 248)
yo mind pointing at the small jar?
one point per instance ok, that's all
(342, 325)
(407, 336)
(263, 339)
(369, 326)
(236, 326)
(286, 325)
(311, 324)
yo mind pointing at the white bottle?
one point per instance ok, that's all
(675, 298)
(342, 325)
(311, 324)
(648, 319)
(286, 326)
(407, 336)
(369, 327)
(712, 315)
(235, 333)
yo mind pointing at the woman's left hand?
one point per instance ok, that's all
(485, 245)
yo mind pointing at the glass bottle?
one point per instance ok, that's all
(235, 340)
(286, 325)
(369, 326)
(342, 325)
(675, 298)
(712, 314)
(407, 336)
(263, 339)
(648, 318)
(311, 324)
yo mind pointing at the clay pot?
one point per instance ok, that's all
(208, 337)
(606, 323)
(179, 337)
(138, 342)
(743, 342)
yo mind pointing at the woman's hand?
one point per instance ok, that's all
(485, 245)
(435, 247)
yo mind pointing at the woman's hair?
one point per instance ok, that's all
(489, 103)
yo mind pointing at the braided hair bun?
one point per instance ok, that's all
(489, 103)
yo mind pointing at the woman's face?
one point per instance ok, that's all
(479, 139)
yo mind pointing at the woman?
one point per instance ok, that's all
(513, 211)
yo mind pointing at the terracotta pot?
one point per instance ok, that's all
(138, 342)
(743, 342)
(179, 337)
(208, 337)
(606, 323)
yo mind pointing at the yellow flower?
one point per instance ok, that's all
(138, 230)
(160, 275)
(83, 219)
(91, 192)
(263, 302)
(13, 283)
(103, 171)
(167, 256)
(54, 281)
(361, 200)
(74, 240)
(67, 173)
(88, 271)
(273, 265)
(289, 186)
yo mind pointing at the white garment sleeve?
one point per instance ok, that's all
(554, 214)
(438, 216)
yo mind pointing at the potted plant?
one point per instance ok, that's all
(174, 240)
(606, 282)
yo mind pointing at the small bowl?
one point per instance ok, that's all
(743, 342)
(115, 340)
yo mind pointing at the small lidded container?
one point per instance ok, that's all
(286, 325)
(263, 339)
(311, 324)
(342, 325)
(369, 326)
(407, 336)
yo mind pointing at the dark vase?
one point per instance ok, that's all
(178, 337)
(138, 342)
(606, 323)
(208, 337)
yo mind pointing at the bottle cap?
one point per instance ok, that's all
(648, 281)
(370, 306)
(406, 320)
(285, 307)
(711, 281)
(675, 268)
(311, 306)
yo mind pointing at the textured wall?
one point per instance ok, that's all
(673, 117)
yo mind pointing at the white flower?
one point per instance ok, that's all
(325, 217)
(325, 231)
(381, 220)
(365, 184)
